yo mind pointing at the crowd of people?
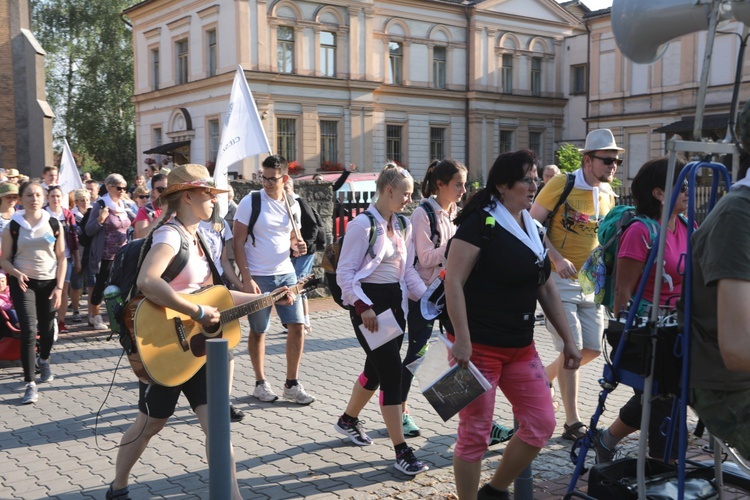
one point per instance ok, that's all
(513, 245)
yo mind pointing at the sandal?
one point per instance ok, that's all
(575, 431)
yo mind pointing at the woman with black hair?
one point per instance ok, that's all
(635, 246)
(497, 269)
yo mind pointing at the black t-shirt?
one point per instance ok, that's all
(501, 291)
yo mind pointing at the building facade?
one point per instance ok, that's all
(361, 81)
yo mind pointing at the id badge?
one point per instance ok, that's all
(49, 238)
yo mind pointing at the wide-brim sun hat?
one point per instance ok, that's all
(190, 176)
(8, 188)
(11, 173)
(600, 139)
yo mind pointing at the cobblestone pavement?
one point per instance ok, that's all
(58, 448)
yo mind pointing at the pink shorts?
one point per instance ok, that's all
(519, 373)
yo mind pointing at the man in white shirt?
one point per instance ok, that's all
(263, 257)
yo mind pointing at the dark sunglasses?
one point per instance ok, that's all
(56, 186)
(143, 196)
(160, 189)
(120, 188)
(609, 161)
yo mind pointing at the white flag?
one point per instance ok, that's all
(69, 177)
(243, 134)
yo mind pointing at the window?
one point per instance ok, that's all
(286, 138)
(181, 48)
(285, 50)
(211, 52)
(578, 79)
(536, 76)
(535, 143)
(395, 63)
(156, 137)
(437, 143)
(329, 138)
(155, 69)
(213, 140)
(506, 141)
(327, 53)
(438, 67)
(393, 143)
(507, 73)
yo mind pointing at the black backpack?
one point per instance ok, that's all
(434, 233)
(570, 181)
(83, 238)
(332, 253)
(255, 205)
(15, 226)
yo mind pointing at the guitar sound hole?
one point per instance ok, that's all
(212, 328)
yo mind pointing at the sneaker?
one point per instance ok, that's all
(76, 318)
(264, 393)
(297, 394)
(410, 428)
(30, 396)
(354, 431)
(99, 323)
(500, 434)
(603, 454)
(235, 415)
(487, 492)
(61, 327)
(90, 320)
(121, 494)
(45, 372)
(407, 463)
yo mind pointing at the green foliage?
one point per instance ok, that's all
(568, 158)
(89, 67)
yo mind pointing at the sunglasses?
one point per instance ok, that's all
(143, 196)
(120, 188)
(160, 189)
(609, 161)
(56, 186)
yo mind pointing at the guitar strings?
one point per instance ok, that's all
(106, 396)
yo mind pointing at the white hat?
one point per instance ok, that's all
(600, 140)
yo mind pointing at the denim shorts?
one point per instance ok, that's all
(76, 279)
(69, 271)
(288, 315)
(303, 264)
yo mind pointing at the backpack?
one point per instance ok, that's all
(15, 226)
(435, 237)
(124, 273)
(570, 181)
(83, 238)
(255, 205)
(332, 253)
(598, 272)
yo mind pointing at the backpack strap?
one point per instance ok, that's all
(432, 217)
(570, 181)
(207, 253)
(179, 261)
(373, 234)
(15, 227)
(255, 206)
(402, 221)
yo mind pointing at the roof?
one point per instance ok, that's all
(685, 125)
(166, 149)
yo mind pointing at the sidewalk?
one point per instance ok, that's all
(49, 449)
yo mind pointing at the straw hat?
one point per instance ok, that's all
(600, 140)
(11, 173)
(8, 188)
(190, 176)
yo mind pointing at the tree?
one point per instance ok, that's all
(90, 79)
(568, 158)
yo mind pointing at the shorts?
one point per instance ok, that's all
(289, 315)
(162, 401)
(725, 415)
(303, 265)
(585, 317)
(69, 271)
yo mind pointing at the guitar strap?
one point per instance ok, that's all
(214, 272)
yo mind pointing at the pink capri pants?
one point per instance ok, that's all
(520, 375)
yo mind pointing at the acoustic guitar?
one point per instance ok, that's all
(172, 347)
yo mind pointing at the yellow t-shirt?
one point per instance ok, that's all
(573, 229)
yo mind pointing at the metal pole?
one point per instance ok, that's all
(523, 486)
(219, 451)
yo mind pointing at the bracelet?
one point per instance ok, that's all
(201, 315)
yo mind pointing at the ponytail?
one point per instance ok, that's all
(428, 184)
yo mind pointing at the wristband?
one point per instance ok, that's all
(202, 313)
(361, 307)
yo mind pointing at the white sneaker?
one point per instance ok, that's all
(99, 323)
(264, 393)
(298, 395)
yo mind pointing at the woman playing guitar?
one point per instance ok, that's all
(190, 197)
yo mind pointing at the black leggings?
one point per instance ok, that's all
(383, 365)
(101, 282)
(35, 311)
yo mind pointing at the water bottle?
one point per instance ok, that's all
(114, 306)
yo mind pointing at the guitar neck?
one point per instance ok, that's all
(235, 313)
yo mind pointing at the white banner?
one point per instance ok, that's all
(243, 134)
(69, 177)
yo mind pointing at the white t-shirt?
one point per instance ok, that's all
(214, 243)
(273, 229)
(196, 274)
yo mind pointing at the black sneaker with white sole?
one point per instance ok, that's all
(353, 430)
(407, 463)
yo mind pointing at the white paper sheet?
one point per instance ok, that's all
(388, 328)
